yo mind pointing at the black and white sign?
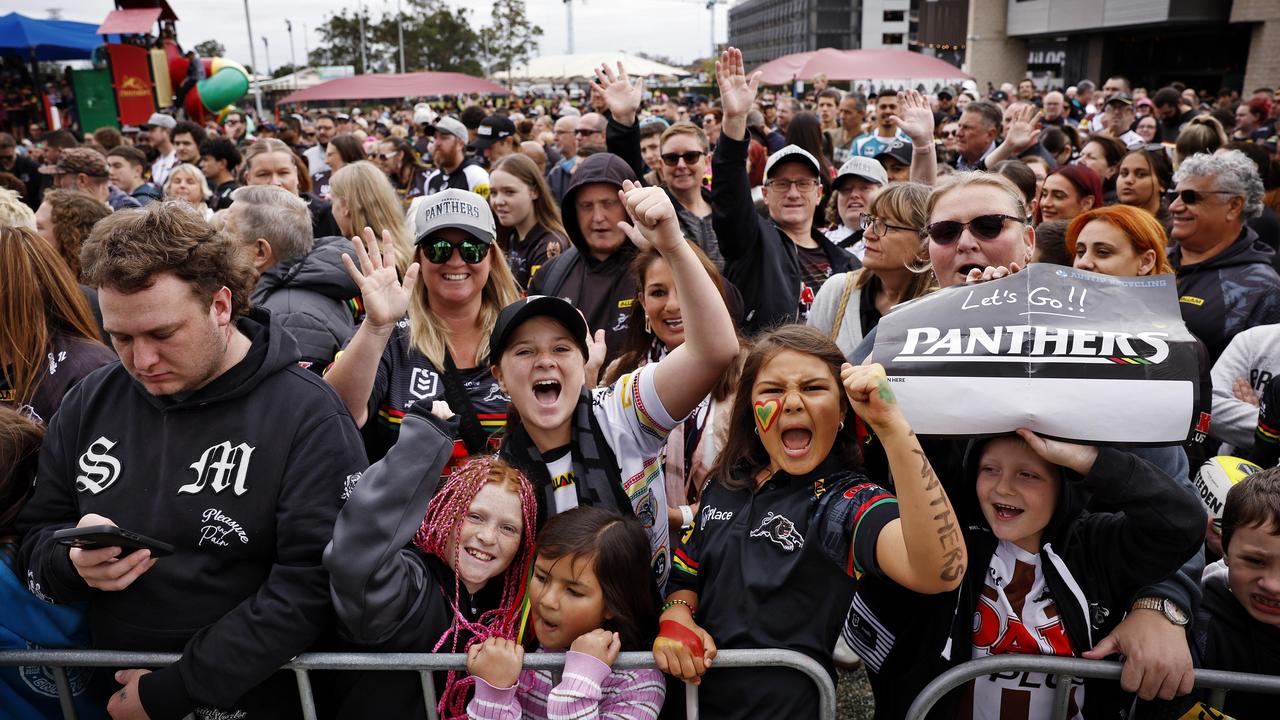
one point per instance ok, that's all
(1066, 353)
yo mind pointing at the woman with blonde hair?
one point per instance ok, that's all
(427, 340)
(49, 339)
(895, 267)
(362, 197)
(188, 184)
(529, 226)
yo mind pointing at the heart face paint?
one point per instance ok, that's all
(767, 412)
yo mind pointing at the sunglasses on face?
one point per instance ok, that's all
(440, 250)
(1191, 197)
(983, 227)
(689, 158)
(583, 132)
(390, 155)
(949, 133)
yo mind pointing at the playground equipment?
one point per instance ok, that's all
(225, 82)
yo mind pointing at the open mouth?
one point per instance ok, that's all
(546, 392)
(796, 440)
(1006, 512)
(1265, 604)
(964, 270)
(455, 277)
(674, 325)
(479, 555)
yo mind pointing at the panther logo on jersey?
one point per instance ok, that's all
(781, 531)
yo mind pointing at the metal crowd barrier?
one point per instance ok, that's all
(1068, 668)
(423, 663)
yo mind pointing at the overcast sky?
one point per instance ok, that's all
(679, 29)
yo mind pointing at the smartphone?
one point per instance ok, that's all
(95, 537)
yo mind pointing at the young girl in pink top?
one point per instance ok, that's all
(591, 593)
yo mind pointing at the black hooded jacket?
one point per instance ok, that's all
(1230, 292)
(244, 476)
(603, 290)
(758, 256)
(314, 299)
(1228, 638)
(909, 639)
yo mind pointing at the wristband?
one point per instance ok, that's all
(675, 632)
(672, 603)
(686, 517)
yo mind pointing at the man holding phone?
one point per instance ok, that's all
(208, 437)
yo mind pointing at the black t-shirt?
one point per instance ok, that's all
(221, 199)
(815, 268)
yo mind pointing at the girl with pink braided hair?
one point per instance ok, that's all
(416, 569)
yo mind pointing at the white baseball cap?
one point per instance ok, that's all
(792, 153)
(454, 208)
(454, 127)
(423, 114)
(863, 167)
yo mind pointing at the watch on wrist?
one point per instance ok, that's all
(1164, 606)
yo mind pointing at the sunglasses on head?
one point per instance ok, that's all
(1191, 197)
(672, 159)
(983, 227)
(439, 250)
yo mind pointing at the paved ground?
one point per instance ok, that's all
(853, 696)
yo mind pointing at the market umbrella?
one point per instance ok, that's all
(869, 64)
(48, 39)
(395, 85)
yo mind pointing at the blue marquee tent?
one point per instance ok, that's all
(48, 39)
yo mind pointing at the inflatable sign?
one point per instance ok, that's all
(1067, 353)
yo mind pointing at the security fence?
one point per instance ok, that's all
(1068, 668)
(424, 663)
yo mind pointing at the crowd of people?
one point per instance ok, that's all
(585, 380)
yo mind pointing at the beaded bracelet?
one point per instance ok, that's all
(672, 603)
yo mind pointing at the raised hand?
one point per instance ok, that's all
(737, 91)
(622, 97)
(386, 299)
(991, 272)
(497, 661)
(1077, 457)
(872, 396)
(1024, 128)
(653, 217)
(915, 118)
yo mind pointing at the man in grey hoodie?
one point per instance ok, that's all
(300, 280)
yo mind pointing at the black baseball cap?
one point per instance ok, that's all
(898, 150)
(492, 129)
(514, 315)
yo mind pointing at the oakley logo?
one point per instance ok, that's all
(220, 467)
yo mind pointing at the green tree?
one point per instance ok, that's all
(436, 37)
(340, 42)
(210, 48)
(511, 39)
(286, 69)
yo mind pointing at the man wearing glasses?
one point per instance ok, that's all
(781, 261)
(237, 130)
(1225, 280)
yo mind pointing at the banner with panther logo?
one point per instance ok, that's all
(1067, 353)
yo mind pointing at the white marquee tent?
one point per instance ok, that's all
(583, 65)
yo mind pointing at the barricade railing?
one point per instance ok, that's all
(425, 664)
(1067, 669)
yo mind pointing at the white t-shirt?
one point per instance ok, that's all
(161, 168)
(560, 470)
(1017, 614)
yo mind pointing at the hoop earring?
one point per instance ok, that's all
(647, 329)
(841, 428)
(757, 429)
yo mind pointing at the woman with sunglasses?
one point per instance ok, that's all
(895, 268)
(400, 163)
(438, 351)
(685, 155)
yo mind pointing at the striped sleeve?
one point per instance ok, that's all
(589, 689)
(850, 521)
(1266, 437)
(491, 703)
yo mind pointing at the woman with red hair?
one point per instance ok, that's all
(1067, 192)
(1119, 240)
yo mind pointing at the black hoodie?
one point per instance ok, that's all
(244, 476)
(1230, 292)
(1094, 564)
(314, 299)
(1228, 638)
(603, 290)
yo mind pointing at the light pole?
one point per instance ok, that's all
(364, 59)
(400, 28)
(293, 59)
(257, 91)
(306, 47)
(267, 50)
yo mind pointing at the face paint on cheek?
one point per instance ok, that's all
(767, 412)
